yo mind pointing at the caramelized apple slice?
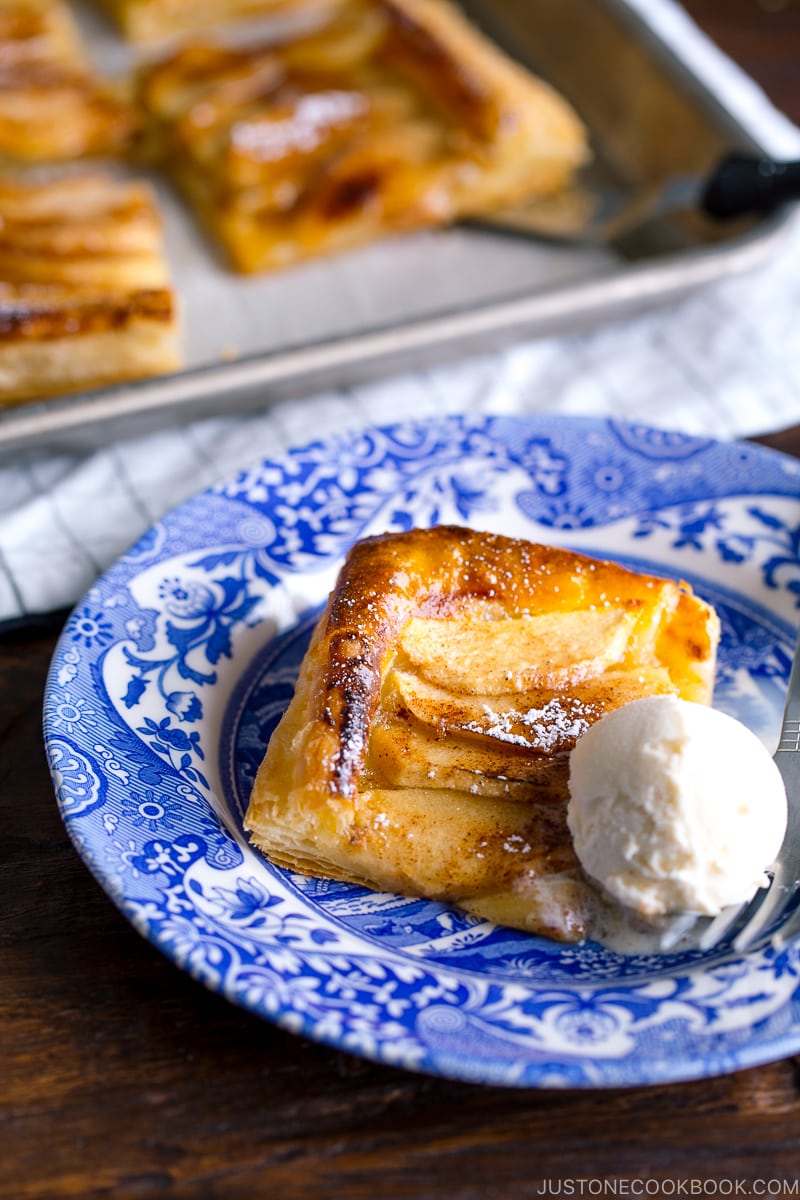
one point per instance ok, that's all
(517, 655)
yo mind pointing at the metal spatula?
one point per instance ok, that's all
(740, 185)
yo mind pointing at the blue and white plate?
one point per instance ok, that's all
(174, 669)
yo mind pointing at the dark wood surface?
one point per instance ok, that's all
(763, 36)
(119, 1076)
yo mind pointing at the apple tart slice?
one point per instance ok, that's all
(85, 298)
(425, 750)
(396, 115)
(53, 107)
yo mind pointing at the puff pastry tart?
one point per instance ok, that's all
(84, 291)
(397, 115)
(425, 749)
(52, 106)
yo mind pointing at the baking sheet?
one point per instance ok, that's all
(417, 299)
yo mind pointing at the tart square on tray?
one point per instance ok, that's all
(85, 298)
(399, 114)
(425, 750)
(53, 107)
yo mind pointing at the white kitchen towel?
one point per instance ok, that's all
(724, 362)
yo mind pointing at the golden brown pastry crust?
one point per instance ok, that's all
(425, 749)
(398, 115)
(84, 289)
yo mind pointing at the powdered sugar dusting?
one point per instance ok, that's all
(314, 116)
(545, 729)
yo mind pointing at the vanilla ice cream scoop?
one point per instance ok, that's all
(675, 807)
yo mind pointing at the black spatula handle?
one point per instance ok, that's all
(744, 183)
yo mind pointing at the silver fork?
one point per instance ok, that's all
(770, 904)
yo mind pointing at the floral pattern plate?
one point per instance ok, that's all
(173, 670)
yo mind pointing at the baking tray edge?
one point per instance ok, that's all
(91, 419)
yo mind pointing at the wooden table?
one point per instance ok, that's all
(121, 1077)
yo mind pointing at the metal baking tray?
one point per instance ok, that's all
(423, 298)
